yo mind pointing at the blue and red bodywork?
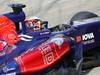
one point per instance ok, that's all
(25, 57)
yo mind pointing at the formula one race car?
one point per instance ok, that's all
(29, 47)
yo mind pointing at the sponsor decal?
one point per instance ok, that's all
(78, 39)
(5, 69)
(47, 53)
(9, 71)
(49, 58)
(44, 33)
(88, 38)
(89, 42)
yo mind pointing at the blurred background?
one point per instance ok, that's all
(54, 11)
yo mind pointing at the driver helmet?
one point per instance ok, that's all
(33, 24)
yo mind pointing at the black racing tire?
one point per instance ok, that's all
(82, 15)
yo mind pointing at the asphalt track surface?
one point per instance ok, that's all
(55, 11)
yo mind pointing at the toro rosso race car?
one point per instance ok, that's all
(29, 47)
